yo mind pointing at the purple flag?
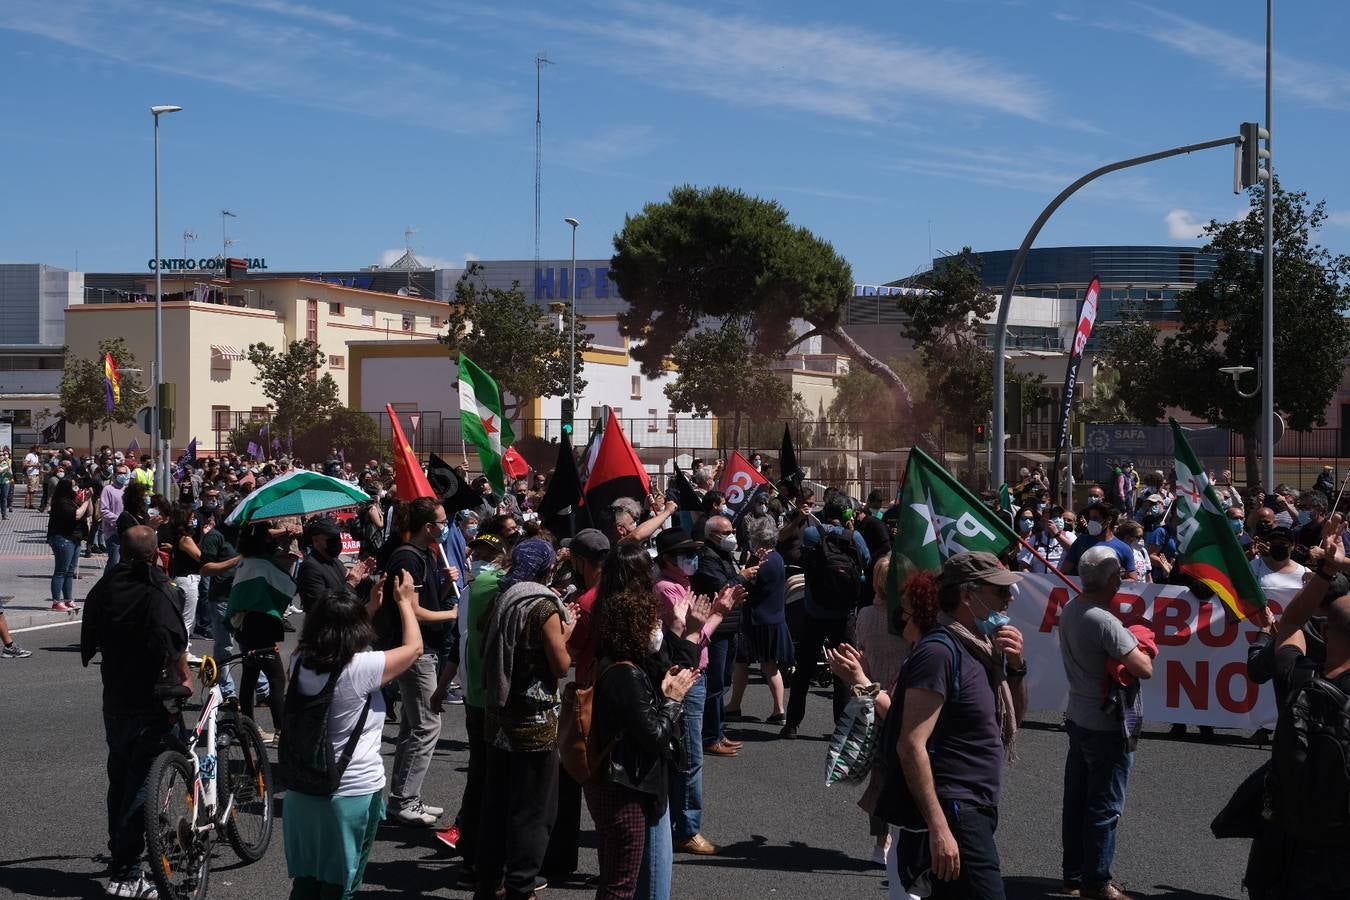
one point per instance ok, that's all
(276, 443)
(254, 450)
(133, 447)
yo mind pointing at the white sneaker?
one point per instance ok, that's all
(293, 609)
(429, 809)
(139, 886)
(412, 816)
(194, 660)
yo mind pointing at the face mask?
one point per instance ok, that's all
(147, 502)
(761, 508)
(1024, 526)
(991, 623)
(154, 513)
(1058, 522)
(688, 565)
(333, 546)
(654, 642)
(726, 510)
(1095, 527)
(471, 529)
(1237, 525)
(1093, 501)
(443, 531)
(121, 480)
(1155, 510)
(729, 543)
(1304, 516)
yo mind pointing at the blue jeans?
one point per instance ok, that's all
(113, 543)
(6, 498)
(721, 666)
(686, 785)
(220, 648)
(658, 859)
(63, 572)
(1095, 773)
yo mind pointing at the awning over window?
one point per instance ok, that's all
(225, 351)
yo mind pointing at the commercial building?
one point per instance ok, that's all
(33, 301)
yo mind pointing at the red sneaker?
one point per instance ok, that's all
(449, 837)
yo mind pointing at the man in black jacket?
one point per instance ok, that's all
(323, 570)
(134, 617)
(716, 568)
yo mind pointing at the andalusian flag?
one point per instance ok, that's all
(482, 421)
(939, 518)
(112, 381)
(1207, 548)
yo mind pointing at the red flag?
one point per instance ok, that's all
(740, 482)
(408, 475)
(514, 464)
(617, 472)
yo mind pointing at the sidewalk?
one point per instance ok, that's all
(26, 571)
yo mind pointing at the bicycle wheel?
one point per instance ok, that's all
(179, 854)
(246, 779)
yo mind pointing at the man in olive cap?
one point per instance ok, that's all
(964, 696)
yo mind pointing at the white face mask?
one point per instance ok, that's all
(729, 543)
(1095, 527)
(654, 642)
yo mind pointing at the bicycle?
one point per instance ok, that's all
(185, 804)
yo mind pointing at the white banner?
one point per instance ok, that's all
(1200, 675)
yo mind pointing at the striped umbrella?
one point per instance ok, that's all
(297, 493)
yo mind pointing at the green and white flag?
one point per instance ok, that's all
(482, 420)
(939, 518)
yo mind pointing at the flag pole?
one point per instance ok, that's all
(1049, 566)
(1337, 504)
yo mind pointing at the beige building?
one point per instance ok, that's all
(206, 339)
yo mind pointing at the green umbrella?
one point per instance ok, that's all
(297, 493)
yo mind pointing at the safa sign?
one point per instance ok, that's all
(596, 280)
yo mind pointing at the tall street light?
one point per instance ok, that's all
(162, 472)
(572, 331)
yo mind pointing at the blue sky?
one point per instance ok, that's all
(330, 127)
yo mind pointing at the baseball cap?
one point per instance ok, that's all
(979, 566)
(487, 540)
(1153, 498)
(589, 542)
(676, 540)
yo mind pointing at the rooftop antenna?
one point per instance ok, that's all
(187, 236)
(225, 241)
(540, 61)
(408, 232)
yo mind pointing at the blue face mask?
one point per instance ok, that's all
(1024, 526)
(1304, 516)
(1058, 522)
(445, 530)
(991, 623)
(471, 529)
(1237, 525)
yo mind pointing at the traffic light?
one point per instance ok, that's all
(1250, 170)
(981, 433)
(568, 410)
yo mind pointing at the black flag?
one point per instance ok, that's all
(690, 511)
(561, 509)
(55, 433)
(450, 486)
(790, 474)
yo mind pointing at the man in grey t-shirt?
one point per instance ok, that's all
(1098, 764)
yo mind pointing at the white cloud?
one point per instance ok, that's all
(1182, 225)
(1240, 57)
(285, 51)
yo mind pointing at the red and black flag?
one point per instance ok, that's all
(560, 509)
(741, 482)
(617, 471)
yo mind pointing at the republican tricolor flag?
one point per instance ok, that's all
(112, 381)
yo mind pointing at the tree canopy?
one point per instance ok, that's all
(1221, 326)
(290, 379)
(717, 253)
(515, 341)
(84, 394)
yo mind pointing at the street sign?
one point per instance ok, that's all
(143, 419)
(416, 419)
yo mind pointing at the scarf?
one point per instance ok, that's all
(983, 650)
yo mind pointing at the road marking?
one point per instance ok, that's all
(40, 627)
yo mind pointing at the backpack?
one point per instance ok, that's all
(369, 534)
(896, 804)
(1311, 777)
(306, 750)
(580, 755)
(834, 569)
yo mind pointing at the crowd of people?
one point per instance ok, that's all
(660, 617)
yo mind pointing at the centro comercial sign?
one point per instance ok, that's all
(207, 263)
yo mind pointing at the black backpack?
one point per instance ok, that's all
(1311, 778)
(306, 751)
(834, 570)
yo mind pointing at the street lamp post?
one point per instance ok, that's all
(1268, 292)
(572, 331)
(161, 473)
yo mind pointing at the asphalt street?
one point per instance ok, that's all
(783, 833)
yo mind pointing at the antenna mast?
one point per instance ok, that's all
(408, 232)
(539, 62)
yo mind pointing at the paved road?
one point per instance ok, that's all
(784, 834)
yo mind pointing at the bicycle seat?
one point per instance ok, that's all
(172, 691)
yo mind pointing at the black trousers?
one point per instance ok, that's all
(980, 878)
(133, 743)
(813, 632)
(471, 803)
(560, 860)
(523, 787)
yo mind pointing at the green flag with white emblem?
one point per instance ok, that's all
(939, 518)
(482, 420)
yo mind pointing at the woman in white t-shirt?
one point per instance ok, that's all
(328, 839)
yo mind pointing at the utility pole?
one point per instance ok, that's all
(1268, 294)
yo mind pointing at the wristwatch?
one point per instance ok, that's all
(1013, 672)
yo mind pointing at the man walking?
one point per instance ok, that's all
(134, 617)
(1100, 752)
(109, 508)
